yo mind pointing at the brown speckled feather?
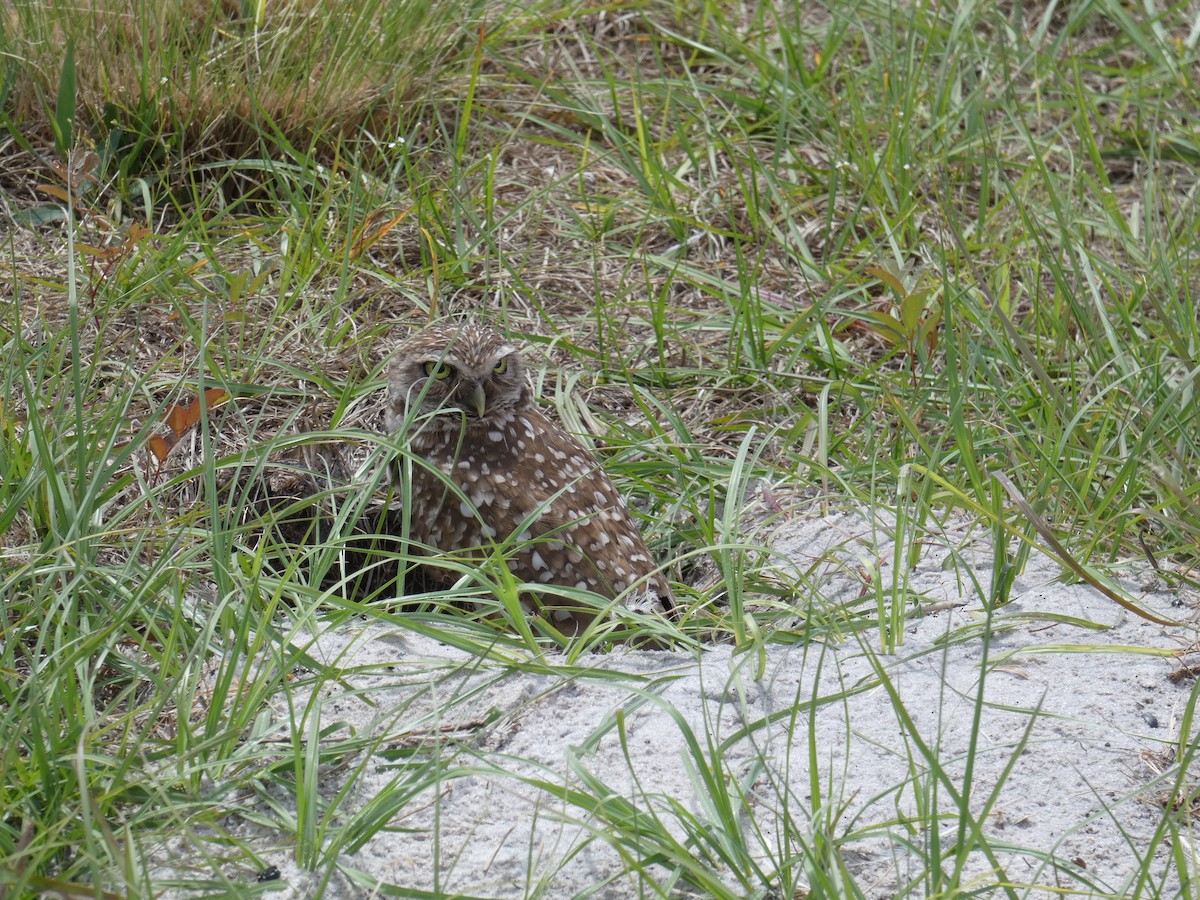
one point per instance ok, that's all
(460, 393)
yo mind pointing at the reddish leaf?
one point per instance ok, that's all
(180, 418)
(83, 164)
(104, 253)
(54, 191)
(159, 446)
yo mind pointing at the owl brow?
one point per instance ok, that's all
(444, 356)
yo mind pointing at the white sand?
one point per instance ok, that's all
(1082, 788)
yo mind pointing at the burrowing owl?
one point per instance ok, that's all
(458, 393)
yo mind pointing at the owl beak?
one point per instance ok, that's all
(478, 399)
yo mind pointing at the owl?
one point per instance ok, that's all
(493, 467)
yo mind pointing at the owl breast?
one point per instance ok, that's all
(547, 493)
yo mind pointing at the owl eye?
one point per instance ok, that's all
(438, 370)
(501, 367)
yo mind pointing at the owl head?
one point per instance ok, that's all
(462, 370)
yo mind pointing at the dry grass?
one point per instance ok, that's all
(210, 79)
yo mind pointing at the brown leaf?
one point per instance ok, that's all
(104, 253)
(159, 446)
(81, 165)
(180, 418)
(54, 191)
(369, 234)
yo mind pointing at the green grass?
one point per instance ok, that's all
(776, 259)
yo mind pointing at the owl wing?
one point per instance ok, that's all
(589, 537)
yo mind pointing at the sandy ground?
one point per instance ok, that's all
(1073, 739)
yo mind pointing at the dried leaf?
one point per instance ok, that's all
(54, 191)
(159, 447)
(181, 418)
(83, 164)
(104, 253)
(368, 234)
